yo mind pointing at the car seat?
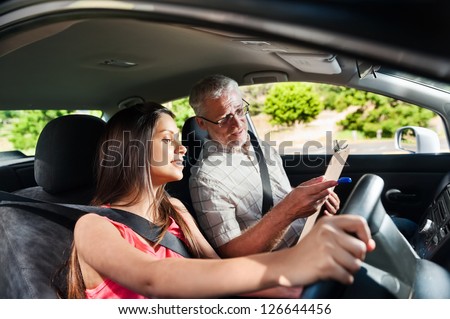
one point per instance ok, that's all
(33, 245)
(64, 160)
(193, 138)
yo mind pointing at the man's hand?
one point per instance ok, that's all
(305, 199)
(332, 204)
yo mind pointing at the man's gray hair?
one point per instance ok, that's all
(210, 88)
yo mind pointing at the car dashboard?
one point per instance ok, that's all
(432, 240)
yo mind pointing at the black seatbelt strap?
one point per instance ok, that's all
(72, 212)
(264, 172)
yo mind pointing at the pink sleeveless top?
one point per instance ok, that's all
(109, 289)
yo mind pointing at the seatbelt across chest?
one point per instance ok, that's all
(264, 172)
(72, 212)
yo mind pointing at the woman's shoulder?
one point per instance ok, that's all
(90, 227)
(181, 209)
(178, 204)
(92, 221)
(90, 217)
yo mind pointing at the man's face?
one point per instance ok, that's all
(233, 132)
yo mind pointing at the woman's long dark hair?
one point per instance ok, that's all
(124, 174)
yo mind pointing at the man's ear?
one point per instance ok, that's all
(201, 123)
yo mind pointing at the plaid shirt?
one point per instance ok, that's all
(226, 191)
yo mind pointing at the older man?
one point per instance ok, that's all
(226, 187)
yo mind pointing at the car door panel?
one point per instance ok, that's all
(411, 181)
(17, 175)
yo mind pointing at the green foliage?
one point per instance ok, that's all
(22, 128)
(290, 103)
(374, 113)
(332, 96)
(255, 95)
(339, 98)
(27, 125)
(182, 111)
(387, 118)
(6, 116)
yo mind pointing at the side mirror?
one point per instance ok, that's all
(415, 139)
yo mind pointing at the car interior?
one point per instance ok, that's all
(35, 245)
(79, 58)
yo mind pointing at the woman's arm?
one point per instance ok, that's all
(326, 252)
(206, 249)
(277, 292)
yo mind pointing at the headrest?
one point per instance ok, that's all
(192, 138)
(66, 151)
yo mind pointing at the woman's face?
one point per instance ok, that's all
(166, 152)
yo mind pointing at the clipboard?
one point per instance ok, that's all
(333, 172)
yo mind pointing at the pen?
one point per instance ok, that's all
(344, 180)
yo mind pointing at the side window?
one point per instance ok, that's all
(306, 118)
(20, 129)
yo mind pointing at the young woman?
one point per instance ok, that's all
(140, 153)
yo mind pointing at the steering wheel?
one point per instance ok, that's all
(393, 269)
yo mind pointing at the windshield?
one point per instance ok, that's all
(417, 79)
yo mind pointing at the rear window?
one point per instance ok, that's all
(20, 129)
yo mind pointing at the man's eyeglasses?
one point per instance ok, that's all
(240, 112)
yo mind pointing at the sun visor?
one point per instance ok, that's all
(320, 63)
